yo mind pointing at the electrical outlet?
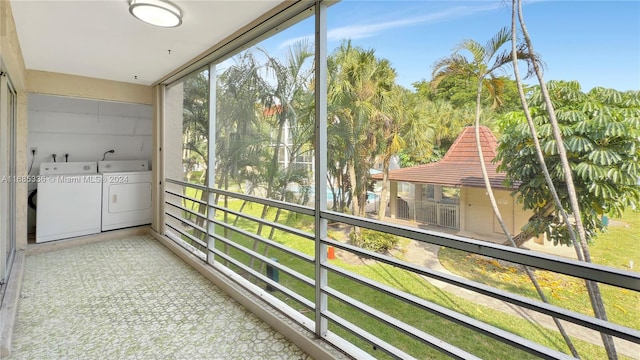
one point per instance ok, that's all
(34, 151)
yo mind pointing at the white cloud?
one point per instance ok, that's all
(361, 31)
(368, 30)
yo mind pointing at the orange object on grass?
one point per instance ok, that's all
(331, 253)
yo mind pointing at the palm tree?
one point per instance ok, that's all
(286, 107)
(580, 241)
(447, 122)
(485, 62)
(240, 137)
(399, 127)
(360, 85)
(195, 141)
(483, 66)
(289, 95)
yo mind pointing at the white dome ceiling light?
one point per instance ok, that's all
(156, 12)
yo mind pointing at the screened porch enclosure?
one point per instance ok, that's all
(250, 141)
(426, 204)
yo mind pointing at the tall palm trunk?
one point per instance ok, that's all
(541, 160)
(592, 287)
(273, 169)
(382, 207)
(496, 211)
(355, 200)
(354, 196)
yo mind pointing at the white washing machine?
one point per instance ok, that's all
(126, 193)
(69, 199)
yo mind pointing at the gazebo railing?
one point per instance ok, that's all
(437, 213)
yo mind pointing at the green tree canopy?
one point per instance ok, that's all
(460, 90)
(360, 96)
(601, 131)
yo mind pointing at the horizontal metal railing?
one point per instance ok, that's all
(588, 271)
(182, 227)
(266, 241)
(306, 303)
(394, 323)
(222, 257)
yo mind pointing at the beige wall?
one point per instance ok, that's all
(42, 82)
(10, 52)
(478, 217)
(12, 63)
(31, 81)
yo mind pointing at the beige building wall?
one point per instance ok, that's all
(477, 216)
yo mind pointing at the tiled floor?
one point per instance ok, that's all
(131, 298)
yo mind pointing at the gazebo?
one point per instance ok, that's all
(451, 193)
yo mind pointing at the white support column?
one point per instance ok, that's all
(437, 193)
(157, 221)
(171, 147)
(418, 198)
(437, 197)
(4, 175)
(320, 154)
(211, 162)
(462, 206)
(393, 199)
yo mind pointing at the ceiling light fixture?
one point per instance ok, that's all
(156, 12)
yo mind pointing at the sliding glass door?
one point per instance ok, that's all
(7, 179)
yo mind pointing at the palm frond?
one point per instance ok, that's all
(478, 52)
(498, 40)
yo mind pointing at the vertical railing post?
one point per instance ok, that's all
(211, 160)
(320, 155)
(157, 220)
(4, 173)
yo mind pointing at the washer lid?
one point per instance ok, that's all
(67, 168)
(122, 165)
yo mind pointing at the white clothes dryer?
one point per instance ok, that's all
(126, 193)
(69, 199)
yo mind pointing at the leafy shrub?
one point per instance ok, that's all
(374, 240)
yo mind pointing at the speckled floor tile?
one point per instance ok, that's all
(131, 298)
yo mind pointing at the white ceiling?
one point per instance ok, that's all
(100, 39)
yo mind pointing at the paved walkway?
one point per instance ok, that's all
(427, 255)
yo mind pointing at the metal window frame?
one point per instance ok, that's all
(323, 317)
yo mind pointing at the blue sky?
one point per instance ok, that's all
(594, 42)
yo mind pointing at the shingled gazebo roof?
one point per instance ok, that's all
(459, 167)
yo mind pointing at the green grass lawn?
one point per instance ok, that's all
(620, 244)
(616, 247)
(468, 340)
